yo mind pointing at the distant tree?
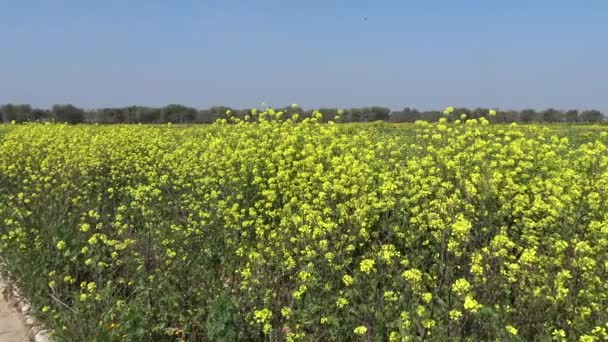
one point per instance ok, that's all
(7, 113)
(212, 114)
(528, 115)
(328, 113)
(295, 109)
(552, 115)
(478, 112)
(407, 114)
(182, 114)
(132, 114)
(380, 113)
(571, 116)
(353, 115)
(177, 113)
(591, 116)
(432, 115)
(508, 116)
(40, 114)
(148, 115)
(499, 117)
(367, 114)
(204, 116)
(458, 112)
(108, 116)
(18, 113)
(67, 113)
(90, 116)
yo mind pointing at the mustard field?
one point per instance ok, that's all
(271, 229)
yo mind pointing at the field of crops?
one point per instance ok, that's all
(3, 130)
(275, 230)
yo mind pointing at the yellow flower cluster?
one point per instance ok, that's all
(290, 229)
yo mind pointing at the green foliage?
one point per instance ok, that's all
(224, 322)
(68, 114)
(175, 113)
(281, 229)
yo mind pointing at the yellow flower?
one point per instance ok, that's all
(511, 329)
(428, 323)
(341, 302)
(390, 296)
(471, 304)
(301, 290)
(461, 286)
(367, 266)
(360, 330)
(262, 315)
(559, 333)
(414, 276)
(286, 312)
(455, 315)
(171, 253)
(85, 227)
(304, 276)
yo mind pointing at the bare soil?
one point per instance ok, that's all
(12, 325)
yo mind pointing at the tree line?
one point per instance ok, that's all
(175, 113)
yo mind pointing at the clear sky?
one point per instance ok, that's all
(427, 54)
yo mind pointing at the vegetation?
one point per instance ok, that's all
(182, 114)
(3, 130)
(272, 229)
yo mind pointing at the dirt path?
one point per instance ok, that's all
(12, 327)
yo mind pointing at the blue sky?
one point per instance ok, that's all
(426, 54)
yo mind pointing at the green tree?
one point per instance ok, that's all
(529, 115)
(591, 116)
(407, 114)
(380, 113)
(551, 115)
(18, 113)
(177, 113)
(571, 116)
(68, 113)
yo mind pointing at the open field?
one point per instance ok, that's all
(282, 231)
